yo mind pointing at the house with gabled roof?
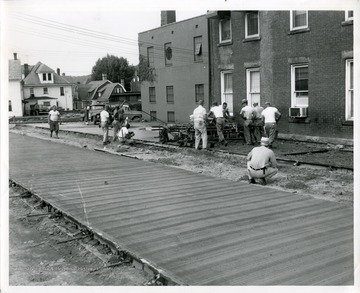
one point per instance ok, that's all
(42, 85)
(15, 90)
(77, 83)
(105, 92)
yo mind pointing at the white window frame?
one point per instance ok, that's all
(150, 56)
(45, 91)
(349, 90)
(298, 102)
(347, 17)
(248, 85)
(220, 31)
(298, 27)
(246, 25)
(225, 95)
(198, 49)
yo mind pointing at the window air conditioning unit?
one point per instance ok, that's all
(298, 112)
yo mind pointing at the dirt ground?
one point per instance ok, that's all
(324, 183)
(37, 259)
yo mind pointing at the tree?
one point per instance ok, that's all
(146, 72)
(116, 69)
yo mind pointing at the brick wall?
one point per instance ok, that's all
(324, 46)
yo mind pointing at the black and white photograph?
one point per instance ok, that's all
(152, 144)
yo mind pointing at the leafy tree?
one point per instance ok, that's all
(146, 72)
(116, 69)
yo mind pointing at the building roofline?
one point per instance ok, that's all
(173, 23)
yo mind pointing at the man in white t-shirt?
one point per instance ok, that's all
(53, 119)
(218, 112)
(104, 124)
(271, 116)
(199, 116)
(125, 135)
(248, 113)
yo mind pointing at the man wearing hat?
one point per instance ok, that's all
(261, 163)
(248, 114)
(271, 116)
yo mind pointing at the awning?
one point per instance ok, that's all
(40, 98)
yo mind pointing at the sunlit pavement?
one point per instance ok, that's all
(142, 130)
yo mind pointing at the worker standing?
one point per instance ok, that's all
(248, 113)
(258, 122)
(200, 116)
(220, 121)
(104, 123)
(54, 118)
(271, 116)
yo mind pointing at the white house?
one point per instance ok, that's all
(44, 86)
(15, 89)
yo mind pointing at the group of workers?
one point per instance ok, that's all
(260, 127)
(119, 123)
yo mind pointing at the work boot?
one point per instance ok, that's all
(262, 181)
(252, 181)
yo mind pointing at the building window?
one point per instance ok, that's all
(171, 116)
(198, 49)
(49, 76)
(152, 95)
(225, 30)
(349, 79)
(227, 90)
(168, 54)
(150, 56)
(349, 15)
(61, 91)
(299, 85)
(252, 24)
(253, 85)
(45, 90)
(10, 106)
(153, 116)
(31, 92)
(199, 92)
(46, 104)
(298, 19)
(170, 94)
(44, 76)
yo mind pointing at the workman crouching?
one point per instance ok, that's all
(261, 162)
(125, 135)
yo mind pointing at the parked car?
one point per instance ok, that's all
(95, 110)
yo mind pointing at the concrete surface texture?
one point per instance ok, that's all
(196, 229)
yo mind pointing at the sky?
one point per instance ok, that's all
(73, 35)
(73, 39)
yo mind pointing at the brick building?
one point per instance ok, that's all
(178, 54)
(301, 61)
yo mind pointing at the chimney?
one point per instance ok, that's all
(167, 16)
(15, 56)
(104, 76)
(26, 69)
(58, 71)
(122, 81)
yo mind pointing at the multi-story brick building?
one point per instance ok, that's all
(177, 52)
(301, 61)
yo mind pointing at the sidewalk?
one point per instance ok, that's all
(142, 130)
